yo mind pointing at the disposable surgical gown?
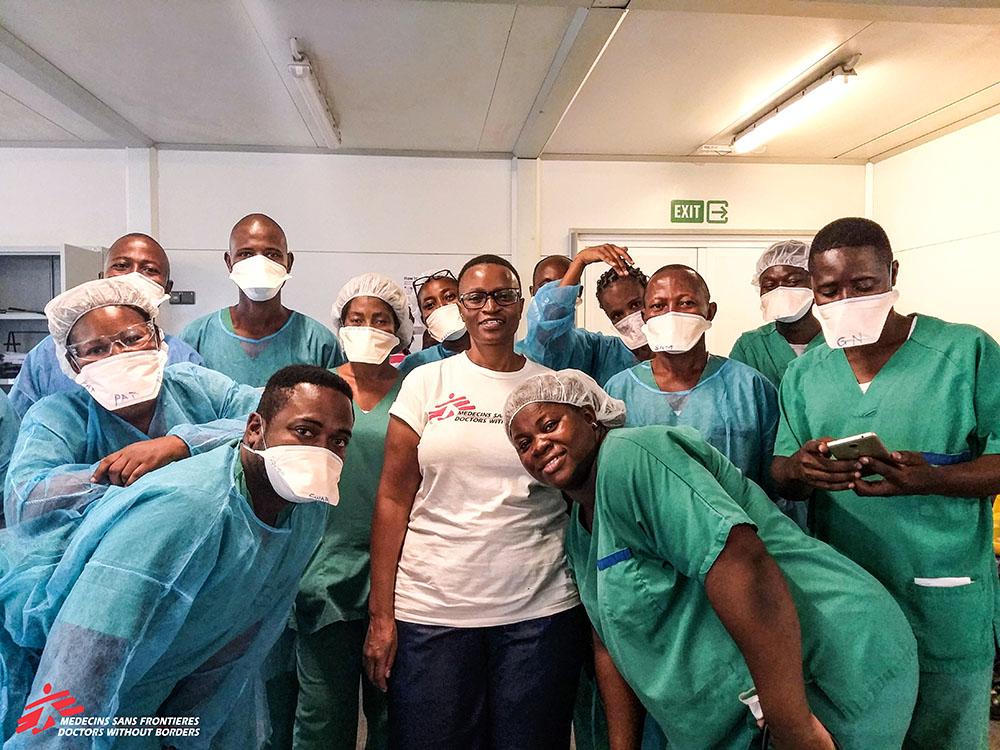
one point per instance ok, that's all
(768, 352)
(554, 340)
(9, 424)
(430, 354)
(733, 406)
(64, 436)
(666, 502)
(162, 599)
(301, 341)
(40, 375)
(938, 394)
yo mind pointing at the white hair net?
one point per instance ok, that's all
(784, 253)
(383, 288)
(65, 310)
(565, 387)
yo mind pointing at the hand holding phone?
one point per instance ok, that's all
(854, 447)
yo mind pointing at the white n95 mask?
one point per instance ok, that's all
(147, 286)
(260, 278)
(855, 321)
(367, 345)
(303, 473)
(124, 379)
(445, 323)
(675, 333)
(630, 330)
(786, 304)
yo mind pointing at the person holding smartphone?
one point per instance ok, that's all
(923, 527)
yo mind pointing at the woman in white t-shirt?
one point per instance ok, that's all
(476, 629)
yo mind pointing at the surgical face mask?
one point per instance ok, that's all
(367, 345)
(260, 278)
(855, 321)
(124, 379)
(445, 322)
(786, 304)
(630, 330)
(147, 286)
(303, 473)
(675, 333)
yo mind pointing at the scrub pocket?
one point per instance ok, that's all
(951, 622)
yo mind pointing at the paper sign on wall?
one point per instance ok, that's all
(699, 212)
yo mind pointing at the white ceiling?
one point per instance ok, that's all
(491, 77)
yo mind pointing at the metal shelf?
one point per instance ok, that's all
(21, 316)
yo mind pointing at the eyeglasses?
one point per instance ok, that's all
(444, 273)
(503, 297)
(130, 339)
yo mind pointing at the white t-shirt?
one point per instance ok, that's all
(484, 543)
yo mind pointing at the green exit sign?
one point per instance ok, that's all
(699, 212)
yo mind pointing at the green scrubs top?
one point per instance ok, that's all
(301, 341)
(335, 586)
(666, 502)
(767, 351)
(939, 394)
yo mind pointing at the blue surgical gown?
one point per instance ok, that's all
(301, 341)
(554, 340)
(63, 437)
(9, 424)
(733, 406)
(161, 599)
(40, 375)
(430, 354)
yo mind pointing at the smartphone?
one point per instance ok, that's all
(852, 448)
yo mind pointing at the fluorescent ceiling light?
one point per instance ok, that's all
(318, 116)
(796, 109)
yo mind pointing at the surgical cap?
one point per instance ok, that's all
(383, 288)
(784, 253)
(65, 310)
(565, 387)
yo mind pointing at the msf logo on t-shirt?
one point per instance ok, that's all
(450, 408)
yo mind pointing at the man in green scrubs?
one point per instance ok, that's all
(699, 589)
(782, 276)
(929, 390)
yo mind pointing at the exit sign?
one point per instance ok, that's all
(699, 212)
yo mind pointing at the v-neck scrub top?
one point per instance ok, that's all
(768, 352)
(484, 541)
(336, 584)
(300, 341)
(666, 502)
(939, 394)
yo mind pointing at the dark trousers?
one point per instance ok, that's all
(508, 687)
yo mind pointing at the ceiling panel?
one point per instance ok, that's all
(186, 71)
(907, 72)
(670, 80)
(20, 123)
(422, 75)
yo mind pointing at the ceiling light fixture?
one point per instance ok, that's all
(318, 114)
(797, 108)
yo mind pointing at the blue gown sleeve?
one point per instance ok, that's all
(119, 616)
(44, 473)
(178, 350)
(230, 402)
(38, 377)
(9, 425)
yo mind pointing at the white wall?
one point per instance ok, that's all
(637, 195)
(940, 204)
(54, 196)
(347, 214)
